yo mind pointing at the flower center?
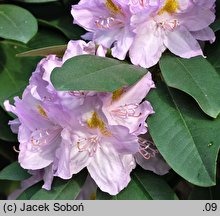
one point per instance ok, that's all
(169, 25)
(144, 3)
(90, 144)
(95, 122)
(112, 20)
(105, 23)
(170, 7)
(126, 111)
(41, 137)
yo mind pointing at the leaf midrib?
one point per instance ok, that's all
(9, 75)
(63, 188)
(90, 74)
(187, 128)
(13, 23)
(201, 90)
(142, 185)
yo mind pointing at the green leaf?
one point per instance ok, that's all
(187, 139)
(6, 152)
(196, 77)
(17, 23)
(14, 72)
(100, 195)
(143, 186)
(14, 77)
(37, 1)
(210, 193)
(62, 190)
(14, 172)
(59, 19)
(46, 38)
(199, 193)
(29, 192)
(216, 25)
(88, 72)
(65, 25)
(133, 192)
(47, 11)
(155, 185)
(5, 131)
(70, 2)
(57, 50)
(212, 52)
(8, 187)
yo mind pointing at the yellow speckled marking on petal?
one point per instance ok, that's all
(96, 122)
(42, 111)
(117, 94)
(170, 7)
(112, 7)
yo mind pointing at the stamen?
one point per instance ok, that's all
(147, 149)
(126, 111)
(142, 3)
(170, 25)
(90, 145)
(77, 93)
(36, 142)
(42, 137)
(105, 23)
(171, 6)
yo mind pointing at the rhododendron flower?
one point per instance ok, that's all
(124, 107)
(63, 132)
(42, 116)
(107, 22)
(39, 132)
(146, 28)
(102, 149)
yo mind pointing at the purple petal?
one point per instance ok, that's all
(205, 34)
(155, 164)
(182, 43)
(148, 46)
(109, 171)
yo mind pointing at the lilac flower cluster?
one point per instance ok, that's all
(62, 132)
(146, 28)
